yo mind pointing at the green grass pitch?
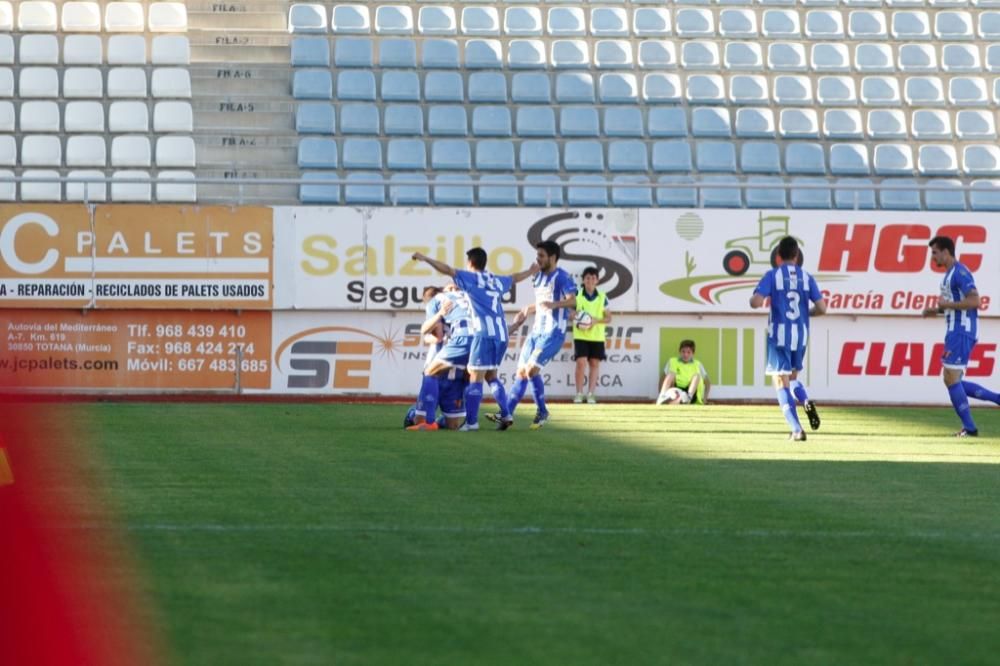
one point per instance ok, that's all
(627, 534)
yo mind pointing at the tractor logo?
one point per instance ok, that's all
(744, 260)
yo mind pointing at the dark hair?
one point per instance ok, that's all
(686, 343)
(788, 247)
(477, 257)
(591, 270)
(431, 292)
(943, 243)
(799, 260)
(551, 248)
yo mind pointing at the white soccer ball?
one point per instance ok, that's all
(583, 320)
(673, 393)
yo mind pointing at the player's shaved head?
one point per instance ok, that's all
(788, 247)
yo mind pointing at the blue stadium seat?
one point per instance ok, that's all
(494, 155)
(570, 54)
(715, 156)
(356, 85)
(491, 121)
(705, 89)
(849, 159)
(536, 121)
(810, 198)
(497, 190)
(312, 84)
(766, 198)
(483, 54)
(985, 195)
(353, 52)
(667, 121)
(359, 119)
(543, 191)
(310, 52)
(672, 156)
(318, 189)
(526, 54)
(721, 197)
(901, 199)
(578, 121)
(660, 88)
(397, 53)
(755, 123)
(893, 159)
(613, 54)
(315, 118)
(356, 191)
(759, 157)
(538, 155)
(615, 88)
(404, 120)
(487, 87)
(447, 120)
(623, 121)
(588, 191)
(626, 195)
(440, 54)
(409, 189)
(406, 154)
(400, 86)
(306, 17)
(575, 88)
(804, 158)
(583, 156)
(842, 124)
(530, 88)
(676, 196)
(453, 190)
(627, 155)
(316, 153)
(444, 87)
(854, 199)
(947, 199)
(362, 154)
(708, 122)
(451, 155)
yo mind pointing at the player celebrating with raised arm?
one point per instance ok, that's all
(555, 291)
(959, 304)
(791, 290)
(488, 327)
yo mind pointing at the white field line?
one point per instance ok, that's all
(528, 530)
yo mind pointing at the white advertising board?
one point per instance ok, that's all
(351, 259)
(865, 359)
(873, 262)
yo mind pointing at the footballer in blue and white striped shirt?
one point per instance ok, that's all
(959, 303)
(792, 291)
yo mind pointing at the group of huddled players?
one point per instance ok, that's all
(467, 330)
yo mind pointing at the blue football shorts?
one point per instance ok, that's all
(451, 393)
(782, 360)
(957, 350)
(486, 353)
(455, 352)
(541, 348)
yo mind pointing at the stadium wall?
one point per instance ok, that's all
(325, 301)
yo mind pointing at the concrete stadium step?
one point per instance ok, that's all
(229, 114)
(246, 14)
(233, 193)
(222, 79)
(240, 46)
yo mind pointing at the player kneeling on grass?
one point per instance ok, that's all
(685, 380)
(555, 296)
(790, 290)
(588, 333)
(446, 330)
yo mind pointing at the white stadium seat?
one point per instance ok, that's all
(37, 191)
(83, 189)
(126, 50)
(84, 117)
(37, 116)
(175, 151)
(41, 150)
(86, 150)
(81, 17)
(173, 117)
(125, 186)
(168, 17)
(127, 82)
(168, 191)
(124, 17)
(131, 151)
(171, 50)
(83, 82)
(128, 117)
(33, 16)
(83, 50)
(171, 82)
(38, 50)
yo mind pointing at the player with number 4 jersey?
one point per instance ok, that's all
(792, 292)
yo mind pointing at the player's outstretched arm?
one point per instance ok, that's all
(439, 266)
(522, 315)
(568, 302)
(526, 273)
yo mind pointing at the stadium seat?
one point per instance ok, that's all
(569, 54)
(83, 50)
(985, 195)
(575, 88)
(481, 21)
(522, 22)
(491, 121)
(350, 20)
(893, 159)
(737, 23)
(8, 118)
(409, 189)
(38, 116)
(350, 52)
(705, 89)
(657, 54)
(171, 50)
(168, 17)
(404, 120)
(84, 82)
(169, 190)
(981, 160)
(566, 22)
(173, 117)
(447, 120)
(494, 155)
(180, 152)
(951, 26)
(498, 190)
(361, 154)
(765, 197)
(618, 88)
(128, 117)
(786, 57)
(317, 188)
(623, 121)
(38, 50)
(714, 195)
(38, 82)
(444, 87)
(526, 54)
(875, 58)
(715, 156)
(311, 52)
(8, 151)
(79, 188)
(355, 85)
(798, 124)
(627, 155)
(609, 22)
(487, 87)
(578, 121)
(364, 188)
(886, 124)
(41, 150)
(760, 157)
(741, 56)
(917, 58)
(126, 50)
(124, 17)
(951, 198)
(891, 198)
(536, 121)
(583, 156)
(359, 119)
(401, 86)
(973, 124)
(538, 155)
(393, 20)
(661, 88)
(453, 190)
(651, 22)
(675, 192)
(710, 122)
(667, 121)
(853, 196)
(746, 90)
(589, 191)
(131, 151)
(613, 54)
(700, 55)
(880, 91)
(929, 124)
(865, 24)
(7, 49)
(542, 191)
(40, 191)
(397, 53)
(753, 123)
(804, 158)
(967, 91)
(483, 54)
(306, 84)
(307, 17)
(836, 91)
(313, 118)
(849, 159)
(451, 155)
(790, 90)
(439, 54)
(81, 17)
(406, 154)
(35, 16)
(626, 193)
(842, 124)
(809, 196)
(909, 26)
(824, 24)
(437, 21)
(958, 58)
(672, 156)
(530, 88)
